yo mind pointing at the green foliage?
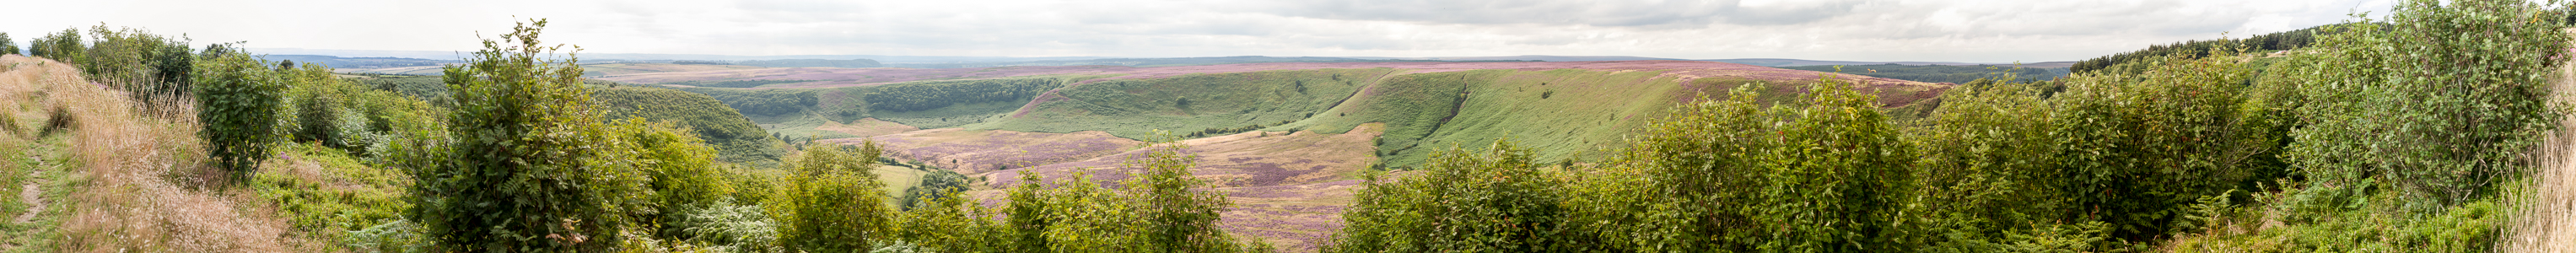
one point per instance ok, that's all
(2140, 147)
(2279, 41)
(933, 95)
(144, 64)
(741, 228)
(1824, 176)
(64, 46)
(936, 184)
(319, 100)
(527, 163)
(1135, 108)
(1178, 216)
(1162, 209)
(238, 102)
(1493, 200)
(683, 171)
(1943, 73)
(2440, 103)
(329, 191)
(426, 88)
(763, 102)
(833, 202)
(951, 223)
(9, 46)
(736, 139)
(1988, 168)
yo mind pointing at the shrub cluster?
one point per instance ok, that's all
(2396, 133)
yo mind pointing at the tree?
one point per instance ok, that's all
(2441, 102)
(527, 163)
(64, 46)
(8, 46)
(238, 106)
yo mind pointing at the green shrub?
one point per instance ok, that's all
(1732, 175)
(683, 173)
(833, 201)
(1492, 200)
(9, 46)
(2441, 102)
(319, 102)
(527, 163)
(1163, 208)
(951, 223)
(2135, 149)
(740, 228)
(237, 103)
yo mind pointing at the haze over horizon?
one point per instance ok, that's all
(1850, 30)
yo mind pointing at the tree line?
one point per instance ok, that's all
(2279, 41)
(2357, 138)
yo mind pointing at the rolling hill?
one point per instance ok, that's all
(1286, 138)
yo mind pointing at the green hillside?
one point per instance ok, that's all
(1134, 108)
(735, 138)
(1562, 114)
(1942, 73)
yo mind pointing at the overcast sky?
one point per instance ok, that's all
(1864, 30)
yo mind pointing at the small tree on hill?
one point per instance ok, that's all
(238, 106)
(532, 167)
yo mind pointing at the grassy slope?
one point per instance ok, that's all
(1565, 114)
(735, 137)
(1134, 108)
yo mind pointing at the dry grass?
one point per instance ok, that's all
(2546, 220)
(133, 174)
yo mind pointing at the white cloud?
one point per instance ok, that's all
(1984, 31)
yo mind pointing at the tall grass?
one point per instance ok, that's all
(136, 177)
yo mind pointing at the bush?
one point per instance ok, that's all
(237, 103)
(1493, 200)
(2441, 102)
(682, 169)
(532, 166)
(319, 102)
(834, 201)
(1162, 209)
(1734, 176)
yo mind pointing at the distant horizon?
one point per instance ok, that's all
(421, 54)
(1854, 30)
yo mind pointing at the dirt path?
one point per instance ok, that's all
(32, 193)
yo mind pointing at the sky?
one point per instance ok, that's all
(1855, 30)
